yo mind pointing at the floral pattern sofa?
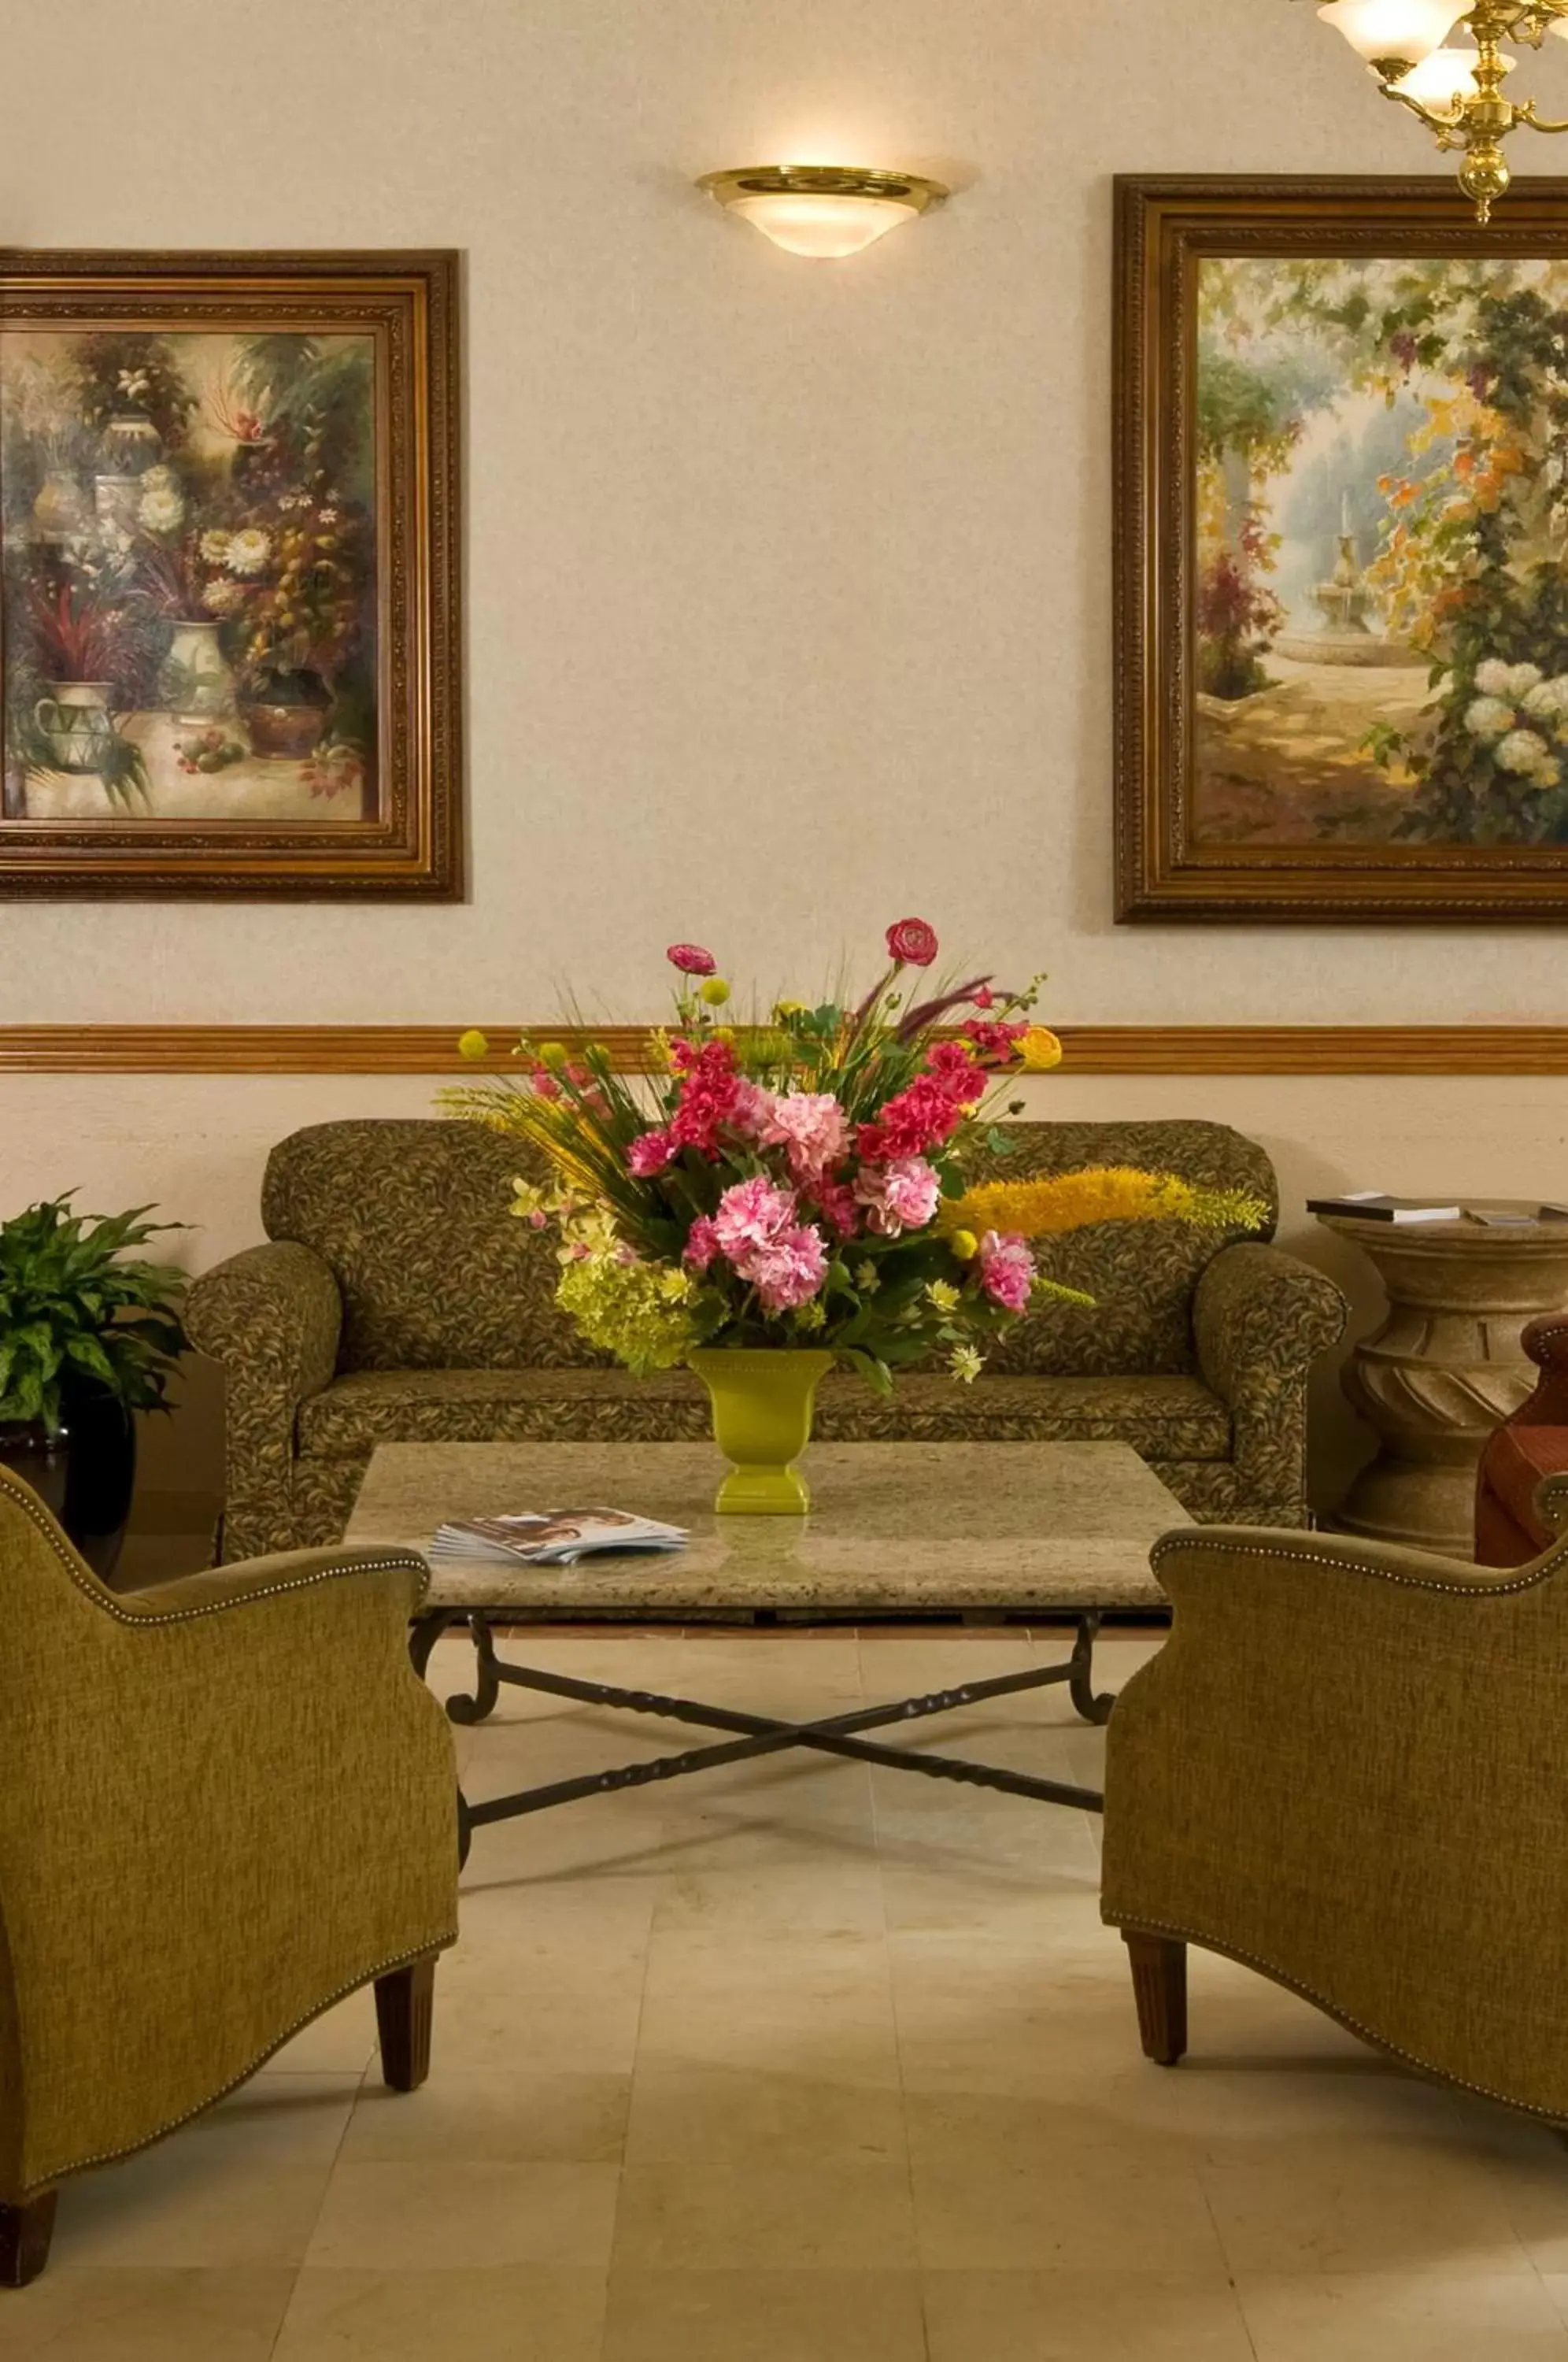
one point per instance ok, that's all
(397, 1300)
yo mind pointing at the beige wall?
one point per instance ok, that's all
(788, 584)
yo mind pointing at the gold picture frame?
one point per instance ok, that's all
(230, 613)
(1340, 660)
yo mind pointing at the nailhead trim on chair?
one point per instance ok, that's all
(1220, 1538)
(406, 1562)
(368, 1976)
(1331, 2008)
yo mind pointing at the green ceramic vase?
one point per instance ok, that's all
(762, 1422)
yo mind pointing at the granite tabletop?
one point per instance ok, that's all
(892, 1525)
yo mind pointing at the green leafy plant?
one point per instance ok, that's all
(69, 1306)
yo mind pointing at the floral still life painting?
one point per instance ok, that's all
(1363, 707)
(206, 680)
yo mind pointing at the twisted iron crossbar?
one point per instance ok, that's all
(758, 1734)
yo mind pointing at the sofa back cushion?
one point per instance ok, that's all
(1142, 1275)
(411, 1217)
(413, 1220)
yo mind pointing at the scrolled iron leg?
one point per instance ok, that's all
(422, 1639)
(465, 1830)
(1080, 1677)
(487, 1683)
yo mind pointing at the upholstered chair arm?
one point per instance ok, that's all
(1261, 1317)
(273, 1317)
(1349, 1768)
(262, 1818)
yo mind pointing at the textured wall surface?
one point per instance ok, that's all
(788, 585)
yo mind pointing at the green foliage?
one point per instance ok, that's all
(70, 1307)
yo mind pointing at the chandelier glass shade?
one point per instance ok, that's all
(1456, 92)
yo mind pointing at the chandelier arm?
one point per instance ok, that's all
(1527, 114)
(1434, 119)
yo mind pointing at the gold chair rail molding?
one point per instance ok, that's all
(1091, 1049)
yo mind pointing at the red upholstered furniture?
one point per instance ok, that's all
(1532, 1445)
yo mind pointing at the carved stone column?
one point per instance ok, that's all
(1445, 1369)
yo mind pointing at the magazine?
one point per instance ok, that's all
(553, 1537)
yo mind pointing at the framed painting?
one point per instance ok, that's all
(229, 575)
(1341, 552)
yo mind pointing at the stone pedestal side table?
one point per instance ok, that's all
(1445, 1369)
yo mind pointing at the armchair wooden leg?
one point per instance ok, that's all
(25, 2233)
(404, 2004)
(1159, 1986)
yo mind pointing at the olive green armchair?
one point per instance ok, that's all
(1348, 1768)
(224, 1803)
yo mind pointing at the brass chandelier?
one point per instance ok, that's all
(1457, 92)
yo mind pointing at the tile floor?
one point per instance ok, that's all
(798, 2063)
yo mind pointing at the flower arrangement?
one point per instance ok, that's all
(806, 1183)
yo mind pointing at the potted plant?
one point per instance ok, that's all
(802, 1192)
(88, 1336)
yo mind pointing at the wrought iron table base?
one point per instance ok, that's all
(758, 1734)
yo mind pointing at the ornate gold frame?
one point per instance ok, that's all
(409, 303)
(1164, 227)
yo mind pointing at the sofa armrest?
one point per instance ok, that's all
(273, 1317)
(1261, 1317)
(1348, 1768)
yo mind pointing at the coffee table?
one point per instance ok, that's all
(986, 1529)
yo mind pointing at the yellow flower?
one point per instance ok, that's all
(714, 991)
(553, 1055)
(943, 1294)
(1040, 1050)
(1072, 1201)
(784, 1009)
(964, 1246)
(473, 1043)
(867, 1279)
(812, 1314)
(966, 1364)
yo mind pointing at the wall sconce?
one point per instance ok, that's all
(822, 210)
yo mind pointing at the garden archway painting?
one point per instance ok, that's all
(228, 574)
(1343, 552)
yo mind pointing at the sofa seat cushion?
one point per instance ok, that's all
(1162, 1418)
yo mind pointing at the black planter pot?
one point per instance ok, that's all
(84, 1472)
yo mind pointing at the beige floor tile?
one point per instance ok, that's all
(821, 2008)
(385, 2218)
(1356, 2199)
(746, 1882)
(1391, 2317)
(738, 2118)
(1023, 2184)
(139, 2314)
(538, 2004)
(832, 2213)
(1072, 2316)
(764, 2317)
(1530, 2165)
(992, 2014)
(179, 2205)
(519, 2313)
(342, 2041)
(502, 2116)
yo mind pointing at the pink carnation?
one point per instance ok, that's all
(702, 1243)
(1007, 1271)
(810, 1125)
(901, 1197)
(751, 1215)
(545, 1084)
(994, 1037)
(710, 1096)
(955, 1070)
(920, 1118)
(691, 959)
(836, 1202)
(789, 1270)
(650, 1152)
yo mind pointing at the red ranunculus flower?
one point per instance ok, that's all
(912, 942)
(691, 959)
